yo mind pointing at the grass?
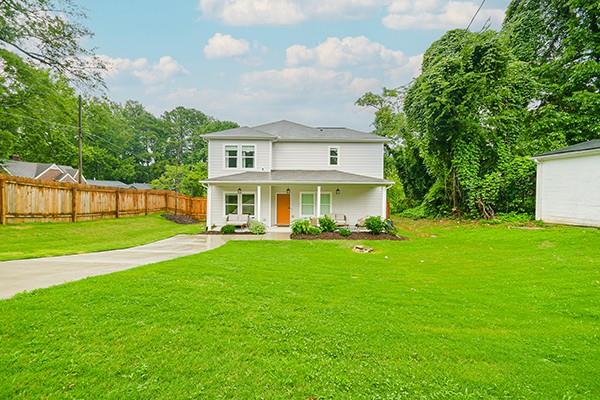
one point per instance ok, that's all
(460, 311)
(53, 239)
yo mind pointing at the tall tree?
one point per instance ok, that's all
(50, 32)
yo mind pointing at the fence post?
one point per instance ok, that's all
(74, 204)
(3, 205)
(146, 202)
(166, 202)
(117, 200)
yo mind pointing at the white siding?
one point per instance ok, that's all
(216, 157)
(217, 201)
(357, 158)
(355, 201)
(568, 190)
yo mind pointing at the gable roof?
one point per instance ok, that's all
(287, 131)
(34, 170)
(299, 176)
(579, 147)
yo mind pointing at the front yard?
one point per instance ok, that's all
(459, 311)
(54, 239)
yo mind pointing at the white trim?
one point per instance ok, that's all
(277, 183)
(329, 156)
(257, 200)
(48, 169)
(237, 155)
(330, 202)
(209, 207)
(300, 213)
(270, 216)
(318, 201)
(570, 154)
(538, 191)
(239, 202)
(384, 202)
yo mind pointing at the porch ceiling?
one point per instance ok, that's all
(299, 177)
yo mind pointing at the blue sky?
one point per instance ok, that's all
(256, 61)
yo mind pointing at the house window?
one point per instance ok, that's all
(248, 153)
(325, 203)
(244, 202)
(231, 203)
(334, 155)
(231, 156)
(307, 204)
(248, 204)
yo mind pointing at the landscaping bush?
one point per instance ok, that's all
(375, 225)
(389, 227)
(300, 226)
(227, 229)
(344, 232)
(314, 230)
(418, 212)
(257, 227)
(327, 224)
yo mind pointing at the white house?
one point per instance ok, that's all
(282, 171)
(568, 185)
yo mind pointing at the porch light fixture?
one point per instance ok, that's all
(239, 190)
(288, 190)
(338, 191)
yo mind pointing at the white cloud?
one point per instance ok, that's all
(335, 52)
(166, 68)
(436, 14)
(224, 46)
(283, 12)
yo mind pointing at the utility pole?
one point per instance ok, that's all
(80, 143)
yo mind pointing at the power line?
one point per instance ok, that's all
(475, 15)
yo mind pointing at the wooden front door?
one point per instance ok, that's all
(283, 209)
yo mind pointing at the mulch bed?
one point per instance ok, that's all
(353, 236)
(180, 219)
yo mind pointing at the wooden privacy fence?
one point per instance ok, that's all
(31, 200)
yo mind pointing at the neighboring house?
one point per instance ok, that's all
(42, 171)
(119, 184)
(115, 184)
(568, 185)
(282, 171)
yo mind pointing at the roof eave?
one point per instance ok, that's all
(271, 182)
(567, 154)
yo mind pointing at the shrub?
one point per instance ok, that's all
(227, 229)
(327, 224)
(418, 212)
(344, 232)
(300, 226)
(257, 227)
(314, 230)
(375, 225)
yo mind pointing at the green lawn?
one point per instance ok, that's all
(53, 239)
(460, 311)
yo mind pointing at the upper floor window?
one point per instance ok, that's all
(248, 152)
(231, 156)
(334, 155)
(240, 156)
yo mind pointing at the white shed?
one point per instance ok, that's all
(568, 185)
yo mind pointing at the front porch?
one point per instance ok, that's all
(278, 205)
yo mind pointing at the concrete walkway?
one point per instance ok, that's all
(23, 275)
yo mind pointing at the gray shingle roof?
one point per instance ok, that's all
(140, 186)
(299, 176)
(243, 132)
(287, 131)
(117, 184)
(32, 170)
(584, 146)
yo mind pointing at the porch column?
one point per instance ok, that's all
(258, 203)
(269, 222)
(384, 201)
(208, 207)
(318, 201)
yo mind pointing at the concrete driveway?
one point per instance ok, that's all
(23, 275)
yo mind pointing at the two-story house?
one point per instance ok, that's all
(282, 171)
